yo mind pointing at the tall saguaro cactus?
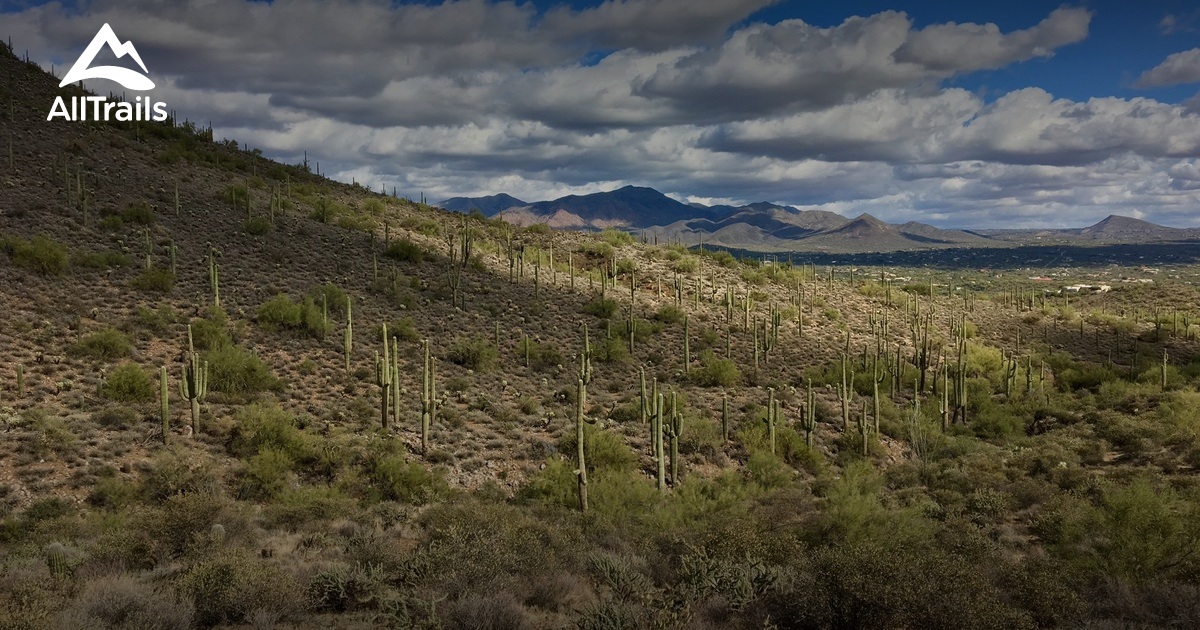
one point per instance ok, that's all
(166, 411)
(673, 430)
(348, 336)
(383, 377)
(193, 386)
(428, 399)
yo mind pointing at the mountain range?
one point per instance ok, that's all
(769, 227)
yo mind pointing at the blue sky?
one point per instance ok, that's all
(960, 114)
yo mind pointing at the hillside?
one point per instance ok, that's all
(396, 394)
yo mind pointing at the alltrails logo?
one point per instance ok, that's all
(142, 109)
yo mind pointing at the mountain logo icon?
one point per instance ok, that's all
(126, 77)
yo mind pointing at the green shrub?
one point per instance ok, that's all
(686, 264)
(260, 427)
(603, 450)
(474, 354)
(670, 314)
(403, 329)
(616, 237)
(41, 254)
(603, 308)
(405, 250)
(715, 371)
(212, 332)
(128, 383)
(409, 482)
(542, 356)
(154, 280)
(333, 295)
(123, 601)
(232, 586)
(281, 312)
(265, 475)
(102, 260)
(235, 370)
(257, 226)
(138, 212)
(106, 344)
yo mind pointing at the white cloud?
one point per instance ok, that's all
(479, 97)
(1181, 67)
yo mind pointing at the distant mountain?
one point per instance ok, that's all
(1127, 229)
(764, 226)
(630, 207)
(489, 206)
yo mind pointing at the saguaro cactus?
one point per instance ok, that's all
(428, 399)
(57, 561)
(772, 417)
(166, 411)
(383, 377)
(193, 386)
(348, 335)
(673, 430)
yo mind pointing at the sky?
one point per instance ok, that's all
(986, 115)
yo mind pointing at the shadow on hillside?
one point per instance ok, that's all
(1183, 252)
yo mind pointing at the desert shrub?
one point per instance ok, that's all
(172, 474)
(156, 320)
(603, 308)
(105, 344)
(235, 370)
(154, 280)
(496, 611)
(257, 226)
(281, 312)
(598, 249)
(405, 250)
(403, 329)
(138, 212)
(128, 383)
(212, 331)
(474, 353)
(616, 237)
(115, 417)
(603, 450)
(715, 371)
(234, 586)
(542, 356)
(263, 426)
(266, 474)
(409, 482)
(123, 601)
(41, 254)
(333, 295)
(670, 314)
(686, 264)
(346, 587)
(101, 260)
(611, 350)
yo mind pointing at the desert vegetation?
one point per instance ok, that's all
(254, 397)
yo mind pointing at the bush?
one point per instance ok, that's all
(138, 212)
(670, 314)
(257, 226)
(403, 329)
(128, 383)
(616, 237)
(233, 586)
(106, 344)
(154, 280)
(603, 308)
(41, 254)
(260, 427)
(715, 372)
(234, 370)
(102, 260)
(333, 295)
(281, 312)
(473, 354)
(212, 332)
(542, 356)
(409, 482)
(122, 601)
(266, 475)
(603, 450)
(405, 250)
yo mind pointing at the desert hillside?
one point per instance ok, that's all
(372, 408)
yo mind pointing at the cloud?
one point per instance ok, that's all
(1179, 68)
(649, 25)
(479, 97)
(966, 47)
